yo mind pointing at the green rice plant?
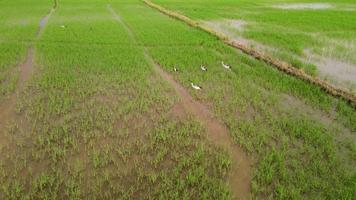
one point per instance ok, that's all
(100, 123)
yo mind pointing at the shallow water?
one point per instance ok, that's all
(301, 6)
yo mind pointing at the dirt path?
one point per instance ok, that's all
(8, 106)
(240, 177)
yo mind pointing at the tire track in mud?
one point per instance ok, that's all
(239, 179)
(8, 107)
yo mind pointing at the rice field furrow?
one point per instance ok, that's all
(119, 101)
(101, 109)
(240, 178)
(248, 100)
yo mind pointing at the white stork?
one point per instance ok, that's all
(196, 86)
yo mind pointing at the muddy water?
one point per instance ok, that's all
(240, 176)
(342, 73)
(229, 28)
(43, 23)
(340, 70)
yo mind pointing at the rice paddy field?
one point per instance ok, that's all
(317, 36)
(96, 102)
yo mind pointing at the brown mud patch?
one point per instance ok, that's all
(240, 177)
(8, 106)
(178, 111)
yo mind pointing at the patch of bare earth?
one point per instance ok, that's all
(240, 176)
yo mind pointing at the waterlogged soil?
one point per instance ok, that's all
(233, 29)
(8, 107)
(43, 22)
(230, 28)
(340, 70)
(240, 177)
(342, 73)
(328, 119)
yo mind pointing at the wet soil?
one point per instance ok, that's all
(8, 106)
(230, 28)
(344, 74)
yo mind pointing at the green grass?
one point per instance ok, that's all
(286, 33)
(19, 24)
(94, 128)
(97, 122)
(250, 101)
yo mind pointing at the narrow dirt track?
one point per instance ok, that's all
(8, 107)
(240, 177)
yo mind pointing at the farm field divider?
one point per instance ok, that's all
(280, 65)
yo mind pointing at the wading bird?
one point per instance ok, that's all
(195, 86)
(175, 69)
(225, 66)
(203, 68)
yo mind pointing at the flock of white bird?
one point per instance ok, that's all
(204, 69)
